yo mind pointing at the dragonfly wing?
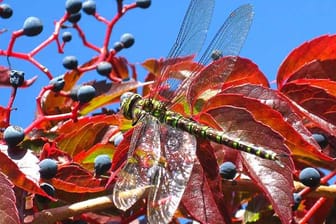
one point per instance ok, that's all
(189, 41)
(227, 42)
(144, 154)
(172, 174)
(231, 36)
(193, 30)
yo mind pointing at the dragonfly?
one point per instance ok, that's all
(163, 145)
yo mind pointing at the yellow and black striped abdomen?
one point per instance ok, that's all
(176, 120)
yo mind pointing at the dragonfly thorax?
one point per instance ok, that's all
(134, 107)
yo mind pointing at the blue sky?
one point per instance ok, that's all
(278, 27)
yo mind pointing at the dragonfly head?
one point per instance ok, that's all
(127, 102)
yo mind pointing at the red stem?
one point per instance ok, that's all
(43, 118)
(43, 44)
(41, 67)
(114, 21)
(10, 105)
(313, 210)
(85, 42)
(15, 35)
(101, 19)
(53, 36)
(27, 57)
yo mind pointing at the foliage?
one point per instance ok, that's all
(240, 103)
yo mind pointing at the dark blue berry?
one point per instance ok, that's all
(73, 6)
(66, 36)
(70, 62)
(118, 46)
(13, 135)
(127, 40)
(117, 139)
(74, 18)
(86, 93)
(228, 170)
(32, 26)
(48, 168)
(321, 139)
(89, 7)
(310, 177)
(16, 78)
(73, 93)
(102, 164)
(104, 68)
(297, 199)
(5, 11)
(57, 83)
(144, 4)
(49, 189)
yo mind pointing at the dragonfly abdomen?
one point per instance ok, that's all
(157, 109)
(176, 120)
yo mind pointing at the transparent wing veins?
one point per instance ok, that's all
(143, 155)
(189, 41)
(172, 175)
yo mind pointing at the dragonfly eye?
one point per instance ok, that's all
(128, 101)
(125, 96)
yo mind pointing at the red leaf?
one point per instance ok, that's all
(3, 117)
(86, 132)
(122, 150)
(85, 157)
(155, 66)
(248, 120)
(16, 175)
(275, 181)
(203, 199)
(108, 93)
(52, 152)
(73, 178)
(4, 75)
(316, 69)
(317, 96)
(8, 211)
(298, 145)
(303, 148)
(4, 78)
(224, 72)
(120, 68)
(160, 70)
(320, 48)
(29, 82)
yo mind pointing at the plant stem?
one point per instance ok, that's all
(50, 216)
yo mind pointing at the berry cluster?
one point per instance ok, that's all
(63, 88)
